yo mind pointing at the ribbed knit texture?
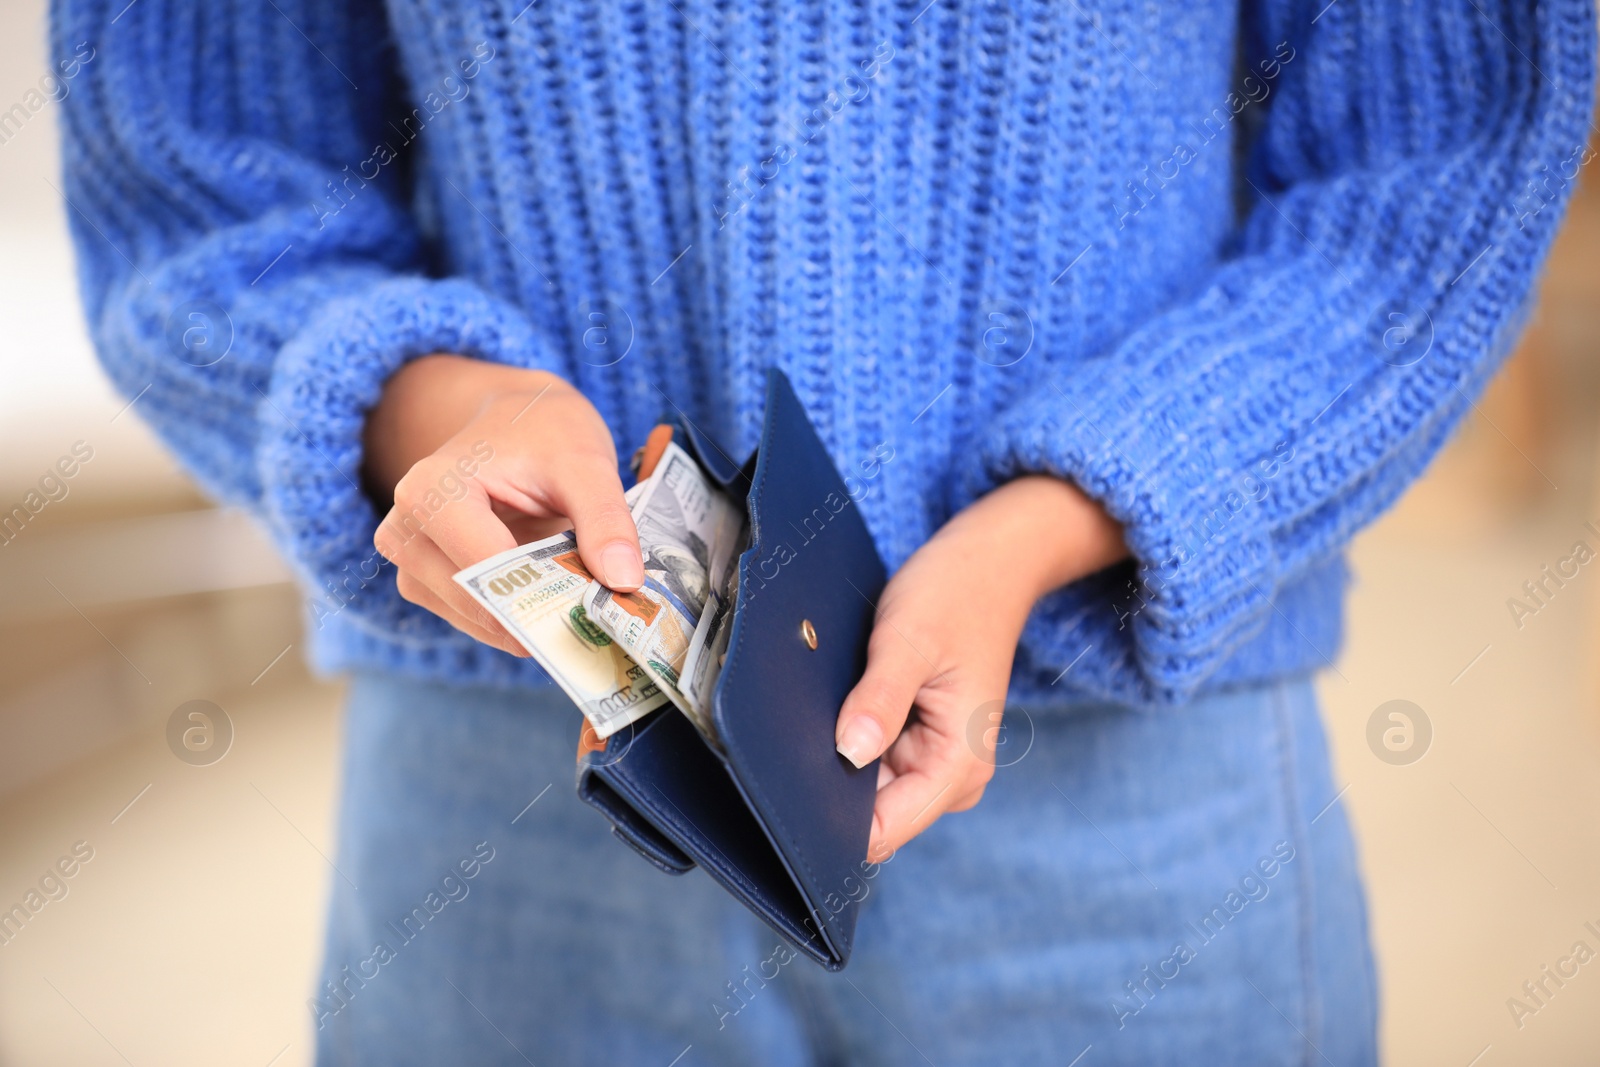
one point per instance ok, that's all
(982, 239)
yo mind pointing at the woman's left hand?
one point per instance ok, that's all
(939, 659)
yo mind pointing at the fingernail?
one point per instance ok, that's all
(621, 567)
(861, 740)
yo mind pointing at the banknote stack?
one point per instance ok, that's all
(620, 656)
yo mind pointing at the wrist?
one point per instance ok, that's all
(1047, 531)
(428, 401)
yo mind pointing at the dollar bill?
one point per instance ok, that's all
(536, 591)
(687, 529)
(702, 666)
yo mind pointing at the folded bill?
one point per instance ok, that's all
(702, 666)
(689, 535)
(620, 656)
(536, 591)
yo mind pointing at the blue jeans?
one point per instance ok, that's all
(1154, 887)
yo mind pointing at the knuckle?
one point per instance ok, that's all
(969, 784)
(423, 480)
(393, 540)
(890, 707)
(610, 509)
(383, 540)
(410, 588)
(879, 700)
(612, 516)
(410, 486)
(966, 803)
(981, 775)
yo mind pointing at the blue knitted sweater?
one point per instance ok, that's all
(1236, 271)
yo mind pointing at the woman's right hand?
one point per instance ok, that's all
(479, 458)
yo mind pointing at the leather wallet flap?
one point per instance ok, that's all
(811, 577)
(629, 825)
(670, 797)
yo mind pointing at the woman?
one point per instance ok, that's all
(1124, 322)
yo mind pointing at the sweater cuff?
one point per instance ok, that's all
(325, 381)
(1150, 450)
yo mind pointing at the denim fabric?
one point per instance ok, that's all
(1136, 887)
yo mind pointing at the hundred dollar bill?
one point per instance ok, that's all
(709, 645)
(536, 590)
(685, 523)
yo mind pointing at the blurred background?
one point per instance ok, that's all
(190, 933)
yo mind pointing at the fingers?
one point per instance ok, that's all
(876, 709)
(912, 801)
(906, 807)
(413, 590)
(462, 524)
(426, 579)
(590, 494)
(498, 482)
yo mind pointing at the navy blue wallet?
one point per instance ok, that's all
(778, 818)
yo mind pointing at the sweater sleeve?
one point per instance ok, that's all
(250, 268)
(1408, 179)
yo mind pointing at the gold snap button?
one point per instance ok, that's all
(809, 634)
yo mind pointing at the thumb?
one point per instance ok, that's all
(876, 709)
(608, 541)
